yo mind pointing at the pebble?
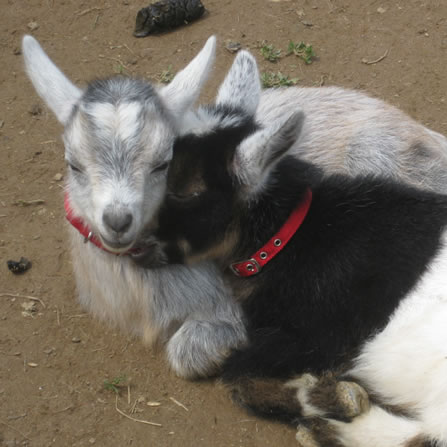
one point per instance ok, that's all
(35, 110)
(32, 26)
(29, 306)
(147, 53)
(232, 46)
(58, 177)
(76, 340)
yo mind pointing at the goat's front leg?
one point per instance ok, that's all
(200, 346)
(150, 252)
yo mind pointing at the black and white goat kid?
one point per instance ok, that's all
(359, 291)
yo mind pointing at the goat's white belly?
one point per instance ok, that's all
(406, 363)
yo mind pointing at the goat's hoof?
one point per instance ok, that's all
(353, 398)
(305, 438)
(306, 381)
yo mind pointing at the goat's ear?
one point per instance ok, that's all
(183, 91)
(241, 87)
(50, 83)
(256, 156)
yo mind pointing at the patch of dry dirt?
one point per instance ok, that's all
(53, 357)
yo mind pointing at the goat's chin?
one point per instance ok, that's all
(117, 247)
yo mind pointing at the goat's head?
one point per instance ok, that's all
(222, 168)
(118, 137)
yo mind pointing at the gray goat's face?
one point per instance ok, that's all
(118, 137)
(118, 143)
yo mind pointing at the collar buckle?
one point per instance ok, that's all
(248, 267)
(267, 252)
(88, 237)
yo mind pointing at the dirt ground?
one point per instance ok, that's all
(54, 358)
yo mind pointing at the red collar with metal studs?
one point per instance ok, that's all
(85, 231)
(265, 254)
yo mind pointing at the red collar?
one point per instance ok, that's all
(254, 265)
(85, 231)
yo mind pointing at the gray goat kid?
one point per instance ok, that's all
(119, 133)
(118, 141)
(345, 131)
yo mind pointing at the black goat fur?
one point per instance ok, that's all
(362, 247)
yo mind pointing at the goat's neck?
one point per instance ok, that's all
(260, 219)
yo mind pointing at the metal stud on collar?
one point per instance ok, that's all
(250, 265)
(277, 242)
(89, 236)
(263, 255)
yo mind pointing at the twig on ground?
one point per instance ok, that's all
(86, 11)
(25, 297)
(64, 409)
(381, 58)
(15, 429)
(99, 349)
(21, 202)
(125, 45)
(77, 316)
(134, 419)
(14, 418)
(178, 403)
(96, 21)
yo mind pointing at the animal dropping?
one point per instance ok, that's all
(166, 15)
(19, 267)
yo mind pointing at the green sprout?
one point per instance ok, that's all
(166, 76)
(120, 69)
(115, 384)
(270, 53)
(302, 50)
(270, 79)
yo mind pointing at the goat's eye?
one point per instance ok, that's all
(183, 197)
(161, 167)
(74, 168)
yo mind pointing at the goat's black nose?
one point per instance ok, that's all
(117, 222)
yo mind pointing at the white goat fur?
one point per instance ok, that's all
(406, 365)
(190, 308)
